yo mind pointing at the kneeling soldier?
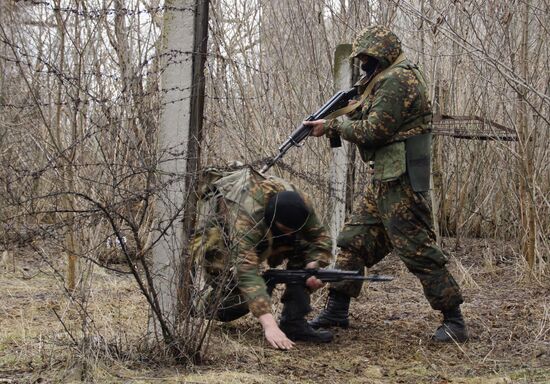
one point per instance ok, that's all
(252, 220)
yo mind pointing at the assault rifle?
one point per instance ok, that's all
(339, 100)
(299, 276)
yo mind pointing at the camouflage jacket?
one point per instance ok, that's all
(398, 105)
(243, 196)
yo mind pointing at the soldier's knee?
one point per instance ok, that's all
(433, 262)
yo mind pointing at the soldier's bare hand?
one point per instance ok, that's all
(314, 283)
(273, 333)
(317, 127)
(278, 339)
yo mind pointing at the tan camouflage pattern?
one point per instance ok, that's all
(391, 215)
(239, 234)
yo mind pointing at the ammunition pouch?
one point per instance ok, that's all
(411, 155)
(389, 162)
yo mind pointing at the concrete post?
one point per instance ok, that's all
(343, 77)
(179, 136)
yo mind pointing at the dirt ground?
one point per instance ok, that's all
(388, 342)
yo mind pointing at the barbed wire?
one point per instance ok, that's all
(95, 13)
(64, 78)
(73, 81)
(91, 134)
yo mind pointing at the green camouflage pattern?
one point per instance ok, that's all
(398, 106)
(392, 217)
(236, 238)
(379, 42)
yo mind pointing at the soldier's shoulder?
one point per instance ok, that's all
(399, 74)
(277, 184)
(399, 79)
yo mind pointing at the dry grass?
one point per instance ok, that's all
(389, 340)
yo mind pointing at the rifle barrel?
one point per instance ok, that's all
(338, 100)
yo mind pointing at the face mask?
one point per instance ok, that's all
(370, 66)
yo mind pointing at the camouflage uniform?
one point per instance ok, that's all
(236, 242)
(395, 214)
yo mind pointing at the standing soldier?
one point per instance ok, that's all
(252, 220)
(392, 128)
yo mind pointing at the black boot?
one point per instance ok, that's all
(335, 313)
(299, 330)
(453, 327)
(293, 322)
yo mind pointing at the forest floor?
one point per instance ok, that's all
(388, 341)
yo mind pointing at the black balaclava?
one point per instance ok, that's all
(287, 208)
(370, 66)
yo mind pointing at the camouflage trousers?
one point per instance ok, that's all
(392, 216)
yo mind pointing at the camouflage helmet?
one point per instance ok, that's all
(379, 42)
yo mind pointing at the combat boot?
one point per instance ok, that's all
(293, 317)
(336, 312)
(299, 330)
(453, 327)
